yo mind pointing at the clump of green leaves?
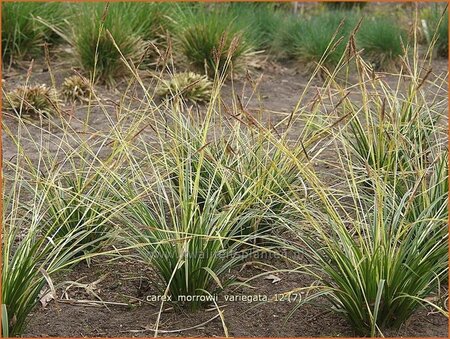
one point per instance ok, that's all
(105, 41)
(379, 272)
(22, 35)
(317, 39)
(382, 40)
(211, 39)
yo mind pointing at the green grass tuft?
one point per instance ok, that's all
(97, 33)
(382, 40)
(23, 37)
(208, 38)
(319, 38)
(262, 21)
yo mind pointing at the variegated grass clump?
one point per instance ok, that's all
(196, 198)
(379, 254)
(240, 168)
(57, 210)
(190, 86)
(33, 101)
(190, 244)
(76, 205)
(76, 88)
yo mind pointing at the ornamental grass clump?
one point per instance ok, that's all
(58, 205)
(103, 39)
(76, 88)
(378, 254)
(189, 247)
(78, 203)
(317, 40)
(34, 247)
(31, 255)
(23, 36)
(245, 169)
(33, 101)
(394, 136)
(382, 40)
(262, 21)
(189, 86)
(209, 38)
(150, 21)
(185, 240)
(379, 272)
(188, 214)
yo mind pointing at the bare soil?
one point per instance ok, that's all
(132, 284)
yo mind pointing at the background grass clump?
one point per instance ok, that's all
(383, 42)
(211, 39)
(104, 39)
(262, 21)
(151, 21)
(320, 38)
(23, 36)
(435, 27)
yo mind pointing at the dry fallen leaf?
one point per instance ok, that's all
(272, 277)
